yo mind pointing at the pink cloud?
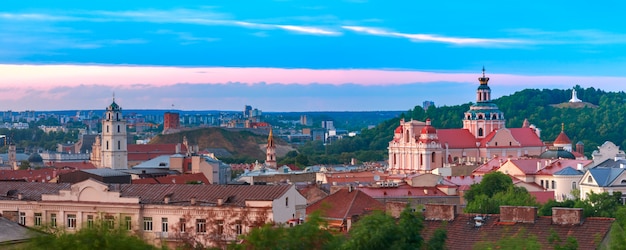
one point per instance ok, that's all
(44, 77)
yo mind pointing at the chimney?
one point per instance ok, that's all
(193, 201)
(538, 165)
(220, 202)
(20, 196)
(579, 166)
(567, 216)
(521, 214)
(166, 200)
(621, 165)
(440, 212)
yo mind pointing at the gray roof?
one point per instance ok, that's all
(12, 232)
(604, 176)
(162, 161)
(611, 163)
(568, 171)
(105, 172)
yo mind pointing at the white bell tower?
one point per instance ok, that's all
(114, 140)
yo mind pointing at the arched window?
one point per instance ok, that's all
(117, 116)
(107, 146)
(589, 179)
(494, 116)
(496, 144)
(107, 128)
(406, 136)
(118, 128)
(480, 116)
(421, 159)
(432, 157)
(480, 131)
(119, 145)
(484, 96)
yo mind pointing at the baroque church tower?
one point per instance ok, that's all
(484, 116)
(114, 140)
(270, 152)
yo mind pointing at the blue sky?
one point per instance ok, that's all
(355, 54)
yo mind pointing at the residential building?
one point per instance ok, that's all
(159, 213)
(342, 208)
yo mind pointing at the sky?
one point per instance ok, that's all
(282, 55)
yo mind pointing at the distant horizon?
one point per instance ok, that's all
(293, 56)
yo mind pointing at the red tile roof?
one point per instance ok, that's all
(456, 138)
(526, 137)
(174, 179)
(73, 165)
(402, 191)
(463, 234)
(542, 196)
(562, 139)
(144, 152)
(29, 190)
(352, 177)
(344, 204)
(36, 175)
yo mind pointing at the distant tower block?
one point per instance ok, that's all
(574, 97)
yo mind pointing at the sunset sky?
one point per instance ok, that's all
(282, 55)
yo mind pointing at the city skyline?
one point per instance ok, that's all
(299, 56)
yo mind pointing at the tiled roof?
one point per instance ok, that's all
(104, 172)
(561, 164)
(402, 191)
(463, 234)
(526, 137)
(155, 193)
(527, 166)
(492, 165)
(29, 190)
(208, 194)
(144, 152)
(542, 196)
(456, 138)
(352, 177)
(345, 204)
(174, 179)
(73, 164)
(36, 175)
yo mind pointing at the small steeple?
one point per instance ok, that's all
(483, 80)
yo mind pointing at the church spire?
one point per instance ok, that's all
(483, 94)
(483, 80)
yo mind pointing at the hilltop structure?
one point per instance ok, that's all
(574, 97)
(418, 147)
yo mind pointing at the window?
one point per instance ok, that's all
(53, 220)
(147, 223)
(238, 227)
(107, 145)
(164, 225)
(22, 218)
(589, 179)
(183, 225)
(432, 157)
(553, 184)
(541, 183)
(128, 223)
(71, 221)
(107, 128)
(480, 132)
(109, 221)
(90, 221)
(286, 201)
(200, 226)
(118, 128)
(573, 185)
(220, 227)
(189, 166)
(119, 145)
(38, 219)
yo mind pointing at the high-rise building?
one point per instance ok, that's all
(427, 104)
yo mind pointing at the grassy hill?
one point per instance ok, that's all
(240, 144)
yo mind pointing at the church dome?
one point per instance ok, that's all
(428, 129)
(562, 139)
(398, 130)
(35, 158)
(556, 154)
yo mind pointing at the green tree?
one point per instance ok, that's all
(518, 241)
(495, 190)
(374, 231)
(98, 236)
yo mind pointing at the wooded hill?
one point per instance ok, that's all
(591, 125)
